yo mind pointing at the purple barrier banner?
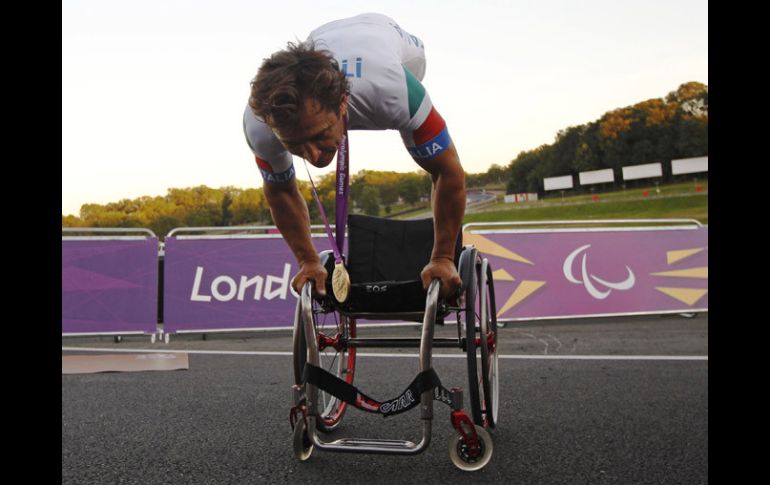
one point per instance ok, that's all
(244, 283)
(596, 273)
(228, 283)
(109, 285)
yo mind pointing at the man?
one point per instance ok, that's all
(368, 70)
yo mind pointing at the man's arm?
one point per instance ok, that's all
(448, 210)
(291, 216)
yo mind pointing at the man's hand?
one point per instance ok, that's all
(443, 269)
(312, 271)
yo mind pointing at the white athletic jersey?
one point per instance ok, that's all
(384, 65)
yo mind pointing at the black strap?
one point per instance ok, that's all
(425, 381)
(329, 383)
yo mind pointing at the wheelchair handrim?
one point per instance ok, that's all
(488, 334)
(335, 408)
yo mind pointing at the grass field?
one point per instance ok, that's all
(676, 201)
(680, 207)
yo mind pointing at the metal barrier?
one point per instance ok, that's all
(268, 231)
(118, 281)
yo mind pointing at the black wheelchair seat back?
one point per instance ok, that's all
(385, 259)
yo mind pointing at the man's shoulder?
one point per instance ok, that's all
(370, 18)
(263, 142)
(368, 37)
(254, 128)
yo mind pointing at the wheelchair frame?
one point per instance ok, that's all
(471, 447)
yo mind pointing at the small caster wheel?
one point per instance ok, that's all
(461, 456)
(303, 447)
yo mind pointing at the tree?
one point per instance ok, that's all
(90, 213)
(410, 188)
(249, 207)
(691, 138)
(327, 193)
(162, 225)
(370, 201)
(584, 158)
(389, 191)
(227, 201)
(357, 184)
(496, 174)
(523, 165)
(692, 97)
(72, 221)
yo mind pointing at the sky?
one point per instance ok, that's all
(153, 91)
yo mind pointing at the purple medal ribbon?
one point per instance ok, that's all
(341, 196)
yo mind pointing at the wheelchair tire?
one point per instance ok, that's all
(469, 265)
(302, 445)
(488, 341)
(337, 359)
(462, 459)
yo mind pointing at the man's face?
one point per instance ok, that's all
(316, 136)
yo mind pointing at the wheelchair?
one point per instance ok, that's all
(384, 261)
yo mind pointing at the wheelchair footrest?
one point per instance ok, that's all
(364, 442)
(375, 446)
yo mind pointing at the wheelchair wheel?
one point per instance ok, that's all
(332, 330)
(480, 337)
(302, 445)
(488, 341)
(461, 456)
(469, 260)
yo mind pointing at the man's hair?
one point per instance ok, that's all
(289, 77)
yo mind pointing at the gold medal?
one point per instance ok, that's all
(340, 282)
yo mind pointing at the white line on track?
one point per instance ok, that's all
(411, 356)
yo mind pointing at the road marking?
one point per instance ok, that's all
(411, 356)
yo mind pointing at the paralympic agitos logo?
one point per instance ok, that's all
(586, 277)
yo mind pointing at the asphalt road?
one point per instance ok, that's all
(617, 400)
